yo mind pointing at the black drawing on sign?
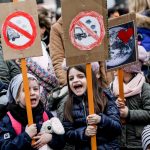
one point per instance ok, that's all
(12, 35)
(79, 34)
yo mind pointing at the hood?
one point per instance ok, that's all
(143, 21)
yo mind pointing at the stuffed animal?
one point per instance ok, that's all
(52, 126)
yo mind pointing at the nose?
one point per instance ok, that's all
(75, 79)
(32, 92)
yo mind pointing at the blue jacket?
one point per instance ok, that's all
(108, 130)
(10, 141)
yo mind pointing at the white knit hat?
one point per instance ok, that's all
(146, 137)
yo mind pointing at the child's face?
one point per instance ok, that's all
(77, 82)
(34, 94)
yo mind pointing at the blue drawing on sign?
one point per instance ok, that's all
(79, 34)
(12, 35)
(93, 27)
(88, 21)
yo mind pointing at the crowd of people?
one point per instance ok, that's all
(60, 91)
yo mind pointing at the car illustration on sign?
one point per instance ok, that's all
(12, 35)
(79, 34)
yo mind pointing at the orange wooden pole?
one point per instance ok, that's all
(121, 89)
(120, 80)
(27, 92)
(90, 101)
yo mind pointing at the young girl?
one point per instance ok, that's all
(77, 121)
(136, 108)
(10, 137)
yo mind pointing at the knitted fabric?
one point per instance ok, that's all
(46, 80)
(146, 137)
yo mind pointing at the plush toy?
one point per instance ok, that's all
(52, 126)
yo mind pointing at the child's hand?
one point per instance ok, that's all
(120, 103)
(124, 112)
(93, 119)
(42, 139)
(91, 130)
(31, 130)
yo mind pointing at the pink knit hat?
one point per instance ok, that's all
(142, 57)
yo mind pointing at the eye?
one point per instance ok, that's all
(70, 78)
(81, 76)
(49, 127)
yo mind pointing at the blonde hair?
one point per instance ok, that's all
(138, 5)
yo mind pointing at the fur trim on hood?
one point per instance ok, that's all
(143, 20)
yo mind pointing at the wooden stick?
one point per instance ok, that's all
(27, 92)
(120, 80)
(121, 89)
(90, 100)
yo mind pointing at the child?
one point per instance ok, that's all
(78, 123)
(10, 137)
(136, 108)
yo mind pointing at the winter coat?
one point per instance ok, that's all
(8, 69)
(57, 51)
(10, 141)
(108, 130)
(139, 116)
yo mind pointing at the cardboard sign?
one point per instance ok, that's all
(19, 30)
(85, 31)
(123, 43)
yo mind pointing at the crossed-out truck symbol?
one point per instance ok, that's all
(79, 34)
(12, 35)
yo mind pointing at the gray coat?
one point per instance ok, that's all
(8, 69)
(139, 116)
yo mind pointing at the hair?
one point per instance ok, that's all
(117, 8)
(99, 99)
(138, 5)
(44, 22)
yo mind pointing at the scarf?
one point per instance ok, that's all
(20, 114)
(132, 88)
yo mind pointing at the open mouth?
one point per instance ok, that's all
(33, 100)
(78, 87)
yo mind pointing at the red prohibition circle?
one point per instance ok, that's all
(8, 23)
(76, 21)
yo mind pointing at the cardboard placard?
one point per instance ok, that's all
(123, 41)
(85, 31)
(20, 30)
